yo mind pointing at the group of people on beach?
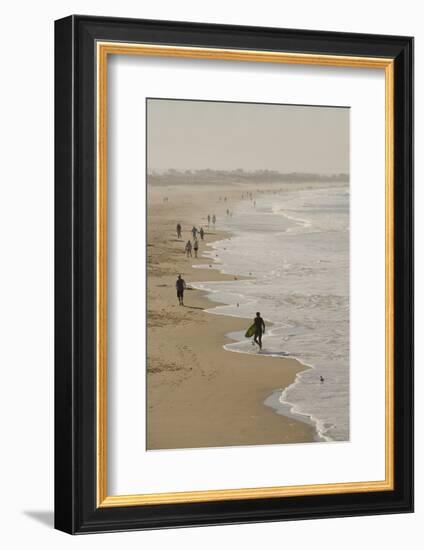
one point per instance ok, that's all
(180, 284)
(194, 246)
(189, 246)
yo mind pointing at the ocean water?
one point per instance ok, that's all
(294, 247)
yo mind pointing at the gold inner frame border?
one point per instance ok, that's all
(103, 50)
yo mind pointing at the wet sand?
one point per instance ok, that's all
(198, 394)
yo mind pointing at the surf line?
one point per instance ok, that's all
(276, 399)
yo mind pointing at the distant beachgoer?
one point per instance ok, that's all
(209, 219)
(259, 329)
(321, 379)
(180, 285)
(202, 233)
(188, 248)
(228, 212)
(179, 231)
(195, 247)
(194, 232)
(214, 219)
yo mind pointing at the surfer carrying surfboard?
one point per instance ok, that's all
(256, 330)
(259, 329)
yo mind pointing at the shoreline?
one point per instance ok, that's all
(269, 401)
(198, 395)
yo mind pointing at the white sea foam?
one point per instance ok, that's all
(295, 246)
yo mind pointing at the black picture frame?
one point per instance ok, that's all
(76, 510)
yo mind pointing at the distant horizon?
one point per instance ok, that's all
(258, 177)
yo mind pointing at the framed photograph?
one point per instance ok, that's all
(234, 274)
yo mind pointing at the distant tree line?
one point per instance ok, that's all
(205, 176)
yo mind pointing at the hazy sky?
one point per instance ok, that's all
(225, 136)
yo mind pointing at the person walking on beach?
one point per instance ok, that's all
(188, 248)
(209, 219)
(179, 231)
(180, 285)
(202, 233)
(194, 232)
(195, 247)
(214, 219)
(259, 329)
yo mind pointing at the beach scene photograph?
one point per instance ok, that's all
(247, 274)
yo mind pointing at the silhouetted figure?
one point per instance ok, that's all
(202, 233)
(259, 329)
(214, 219)
(179, 228)
(180, 285)
(188, 248)
(194, 232)
(195, 247)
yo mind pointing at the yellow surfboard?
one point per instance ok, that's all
(250, 331)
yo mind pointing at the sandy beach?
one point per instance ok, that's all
(198, 394)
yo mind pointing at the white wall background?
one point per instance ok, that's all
(26, 273)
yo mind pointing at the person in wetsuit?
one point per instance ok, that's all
(259, 329)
